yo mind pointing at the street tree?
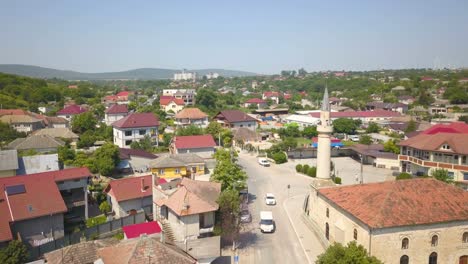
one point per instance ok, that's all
(229, 210)
(228, 172)
(365, 139)
(345, 125)
(310, 132)
(373, 128)
(349, 254)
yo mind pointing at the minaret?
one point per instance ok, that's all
(324, 129)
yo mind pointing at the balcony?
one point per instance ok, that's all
(433, 164)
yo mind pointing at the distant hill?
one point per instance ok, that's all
(141, 74)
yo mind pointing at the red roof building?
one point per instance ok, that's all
(148, 228)
(33, 195)
(165, 100)
(13, 112)
(137, 120)
(117, 109)
(191, 142)
(72, 110)
(255, 101)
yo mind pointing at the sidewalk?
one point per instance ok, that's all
(308, 239)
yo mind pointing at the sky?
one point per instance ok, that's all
(257, 36)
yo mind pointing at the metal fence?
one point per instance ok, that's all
(84, 235)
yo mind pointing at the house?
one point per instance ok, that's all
(302, 120)
(171, 104)
(22, 123)
(39, 143)
(129, 195)
(406, 99)
(273, 96)
(398, 89)
(188, 95)
(8, 162)
(58, 133)
(407, 220)
(439, 147)
(114, 113)
(56, 122)
(38, 163)
(257, 102)
(396, 107)
(189, 210)
(12, 112)
(191, 116)
(375, 155)
(235, 119)
(245, 136)
(134, 160)
(146, 249)
(70, 111)
(33, 206)
(134, 127)
(178, 165)
(202, 145)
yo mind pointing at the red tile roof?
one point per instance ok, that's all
(117, 109)
(12, 112)
(190, 142)
(455, 127)
(149, 228)
(72, 110)
(41, 197)
(401, 203)
(135, 120)
(271, 94)
(233, 116)
(255, 101)
(361, 114)
(165, 100)
(125, 153)
(191, 113)
(131, 188)
(123, 94)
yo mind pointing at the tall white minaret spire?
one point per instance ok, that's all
(324, 129)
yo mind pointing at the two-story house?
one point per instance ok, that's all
(257, 102)
(273, 96)
(22, 123)
(129, 195)
(70, 111)
(114, 113)
(439, 147)
(178, 165)
(170, 104)
(33, 206)
(235, 119)
(191, 116)
(187, 95)
(189, 210)
(202, 145)
(135, 127)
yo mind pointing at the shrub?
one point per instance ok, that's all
(305, 169)
(94, 221)
(279, 157)
(312, 172)
(298, 168)
(404, 176)
(337, 180)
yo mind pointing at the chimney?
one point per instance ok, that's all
(142, 184)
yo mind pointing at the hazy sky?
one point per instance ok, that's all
(259, 36)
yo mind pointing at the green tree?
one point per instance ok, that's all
(105, 207)
(310, 132)
(83, 122)
(404, 176)
(144, 144)
(412, 126)
(189, 131)
(86, 139)
(228, 172)
(349, 254)
(206, 98)
(298, 168)
(463, 118)
(442, 175)
(345, 125)
(229, 210)
(214, 128)
(65, 154)
(106, 158)
(365, 139)
(373, 128)
(391, 146)
(15, 253)
(279, 157)
(8, 134)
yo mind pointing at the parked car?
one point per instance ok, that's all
(354, 138)
(266, 222)
(264, 162)
(270, 199)
(245, 216)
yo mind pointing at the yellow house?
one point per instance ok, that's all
(178, 165)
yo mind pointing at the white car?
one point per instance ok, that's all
(264, 162)
(354, 138)
(267, 225)
(270, 199)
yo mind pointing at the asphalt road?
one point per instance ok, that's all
(283, 245)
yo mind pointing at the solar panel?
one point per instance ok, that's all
(15, 189)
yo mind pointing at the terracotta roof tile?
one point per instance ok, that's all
(401, 203)
(255, 101)
(191, 113)
(233, 116)
(131, 188)
(135, 120)
(117, 109)
(198, 141)
(13, 112)
(72, 110)
(164, 100)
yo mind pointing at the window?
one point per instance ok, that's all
(327, 231)
(161, 171)
(128, 142)
(433, 258)
(404, 259)
(177, 171)
(142, 132)
(434, 240)
(328, 213)
(405, 243)
(465, 237)
(446, 147)
(128, 133)
(355, 234)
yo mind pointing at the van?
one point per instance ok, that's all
(267, 225)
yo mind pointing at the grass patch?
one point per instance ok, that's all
(303, 141)
(94, 221)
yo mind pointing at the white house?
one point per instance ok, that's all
(135, 127)
(115, 113)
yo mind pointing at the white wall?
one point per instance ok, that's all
(111, 118)
(120, 138)
(253, 125)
